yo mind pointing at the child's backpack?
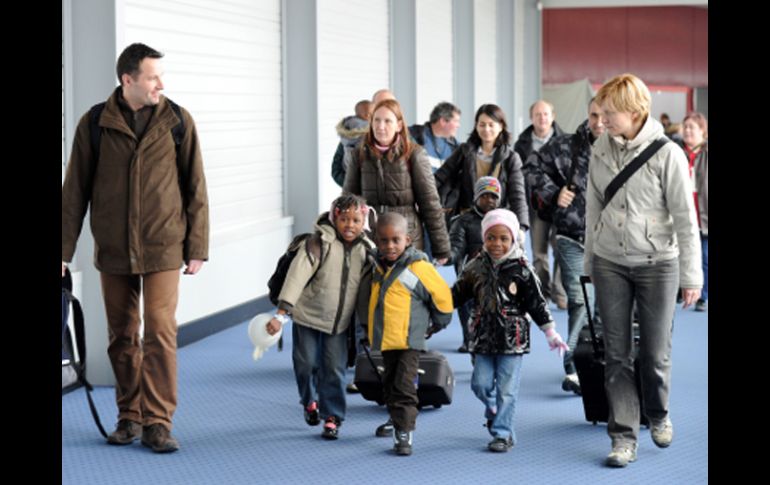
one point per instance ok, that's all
(73, 352)
(314, 251)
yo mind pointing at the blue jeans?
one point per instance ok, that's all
(653, 286)
(569, 254)
(495, 381)
(704, 247)
(319, 367)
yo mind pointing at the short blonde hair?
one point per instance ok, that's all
(626, 93)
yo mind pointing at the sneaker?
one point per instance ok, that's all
(701, 306)
(662, 433)
(331, 428)
(352, 388)
(500, 445)
(571, 383)
(463, 349)
(385, 430)
(621, 455)
(402, 442)
(311, 414)
(158, 437)
(125, 432)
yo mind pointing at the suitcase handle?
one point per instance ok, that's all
(377, 370)
(594, 341)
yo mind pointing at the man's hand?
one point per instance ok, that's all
(193, 266)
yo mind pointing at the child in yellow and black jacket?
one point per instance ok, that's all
(398, 300)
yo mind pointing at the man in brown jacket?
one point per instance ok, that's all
(149, 215)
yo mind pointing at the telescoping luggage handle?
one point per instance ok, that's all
(594, 341)
(377, 370)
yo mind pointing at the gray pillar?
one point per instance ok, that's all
(300, 112)
(506, 79)
(92, 37)
(403, 58)
(464, 61)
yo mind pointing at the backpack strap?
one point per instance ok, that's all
(80, 342)
(631, 169)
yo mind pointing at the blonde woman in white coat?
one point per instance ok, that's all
(643, 245)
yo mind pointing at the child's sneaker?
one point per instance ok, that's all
(331, 428)
(402, 442)
(311, 414)
(385, 430)
(500, 445)
(571, 383)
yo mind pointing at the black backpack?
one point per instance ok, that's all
(96, 132)
(73, 366)
(314, 251)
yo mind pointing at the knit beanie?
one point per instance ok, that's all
(486, 185)
(499, 217)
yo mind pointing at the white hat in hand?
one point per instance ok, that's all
(259, 336)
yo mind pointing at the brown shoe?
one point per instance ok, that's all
(158, 437)
(125, 432)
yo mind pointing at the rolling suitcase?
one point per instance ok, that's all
(435, 379)
(589, 361)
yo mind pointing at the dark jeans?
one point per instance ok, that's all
(653, 286)
(319, 367)
(464, 312)
(400, 390)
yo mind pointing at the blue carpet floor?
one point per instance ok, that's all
(240, 422)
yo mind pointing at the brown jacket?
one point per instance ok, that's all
(147, 213)
(389, 183)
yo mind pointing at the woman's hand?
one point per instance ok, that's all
(690, 296)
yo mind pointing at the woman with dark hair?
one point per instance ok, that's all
(487, 152)
(394, 175)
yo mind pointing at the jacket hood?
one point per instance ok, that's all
(352, 127)
(410, 256)
(651, 130)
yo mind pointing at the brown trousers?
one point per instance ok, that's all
(145, 371)
(399, 388)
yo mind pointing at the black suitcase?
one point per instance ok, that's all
(435, 379)
(589, 361)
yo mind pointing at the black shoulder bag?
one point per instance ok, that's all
(631, 169)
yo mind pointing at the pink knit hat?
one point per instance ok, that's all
(500, 217)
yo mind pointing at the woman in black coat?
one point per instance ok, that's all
(488, 151)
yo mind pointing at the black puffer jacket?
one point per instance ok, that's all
(465, 237)
(459, 171)
(546, 178)
(523, 145)
(503, 295)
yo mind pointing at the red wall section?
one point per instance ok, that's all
(661, 45)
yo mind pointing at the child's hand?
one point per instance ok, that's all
(273, 326)
(431, 330)
(555, 341)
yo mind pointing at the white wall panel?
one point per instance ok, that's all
(434, 56)
(485, 52)
(223, 63)
(353, 63)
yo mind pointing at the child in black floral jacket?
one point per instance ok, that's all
(505, 289)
